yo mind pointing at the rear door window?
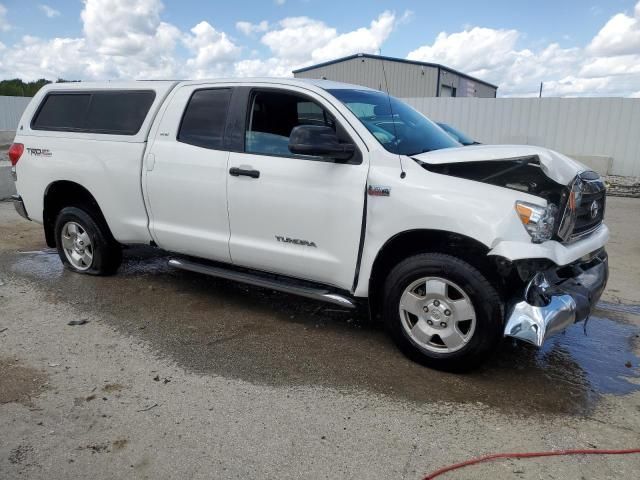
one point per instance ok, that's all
(205, 117)
(108, 112)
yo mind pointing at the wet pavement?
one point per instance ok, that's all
(219, 327)
(179, 375)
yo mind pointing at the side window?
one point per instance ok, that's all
(109, 112)
(205, 118)
(62, 111)
(272, 117)
(310, 113)
(121, 113)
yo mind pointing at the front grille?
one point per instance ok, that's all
(589, 213)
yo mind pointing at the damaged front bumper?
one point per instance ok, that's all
(556, 298)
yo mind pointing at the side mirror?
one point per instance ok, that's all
(319, 141)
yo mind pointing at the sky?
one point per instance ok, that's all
(576, 47)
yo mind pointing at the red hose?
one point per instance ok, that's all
(552, 453)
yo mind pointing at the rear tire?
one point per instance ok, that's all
(442, 312)
(85, 244)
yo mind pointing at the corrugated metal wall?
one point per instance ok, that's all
(608, 127)
(465, 86)
(11, 109)
(404, 79)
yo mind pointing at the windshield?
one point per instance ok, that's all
(406, 132)
(463, 138)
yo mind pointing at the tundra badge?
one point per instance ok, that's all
(296, 241)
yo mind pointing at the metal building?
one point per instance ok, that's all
(405, 78)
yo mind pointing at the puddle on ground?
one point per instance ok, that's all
(213, 326)
(19, 383)
(604, 354)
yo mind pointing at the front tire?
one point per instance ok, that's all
(442, 312)
(85, 244)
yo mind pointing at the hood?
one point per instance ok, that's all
(556, 166)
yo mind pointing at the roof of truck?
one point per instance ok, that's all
(161, 88)
(165, 84)
(324, 84)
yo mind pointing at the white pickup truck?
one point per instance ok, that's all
(327, 190)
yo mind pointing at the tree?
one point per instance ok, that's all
(17, 88)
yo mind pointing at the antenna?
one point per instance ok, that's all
(393, 119)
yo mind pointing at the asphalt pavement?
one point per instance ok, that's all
(169, 374)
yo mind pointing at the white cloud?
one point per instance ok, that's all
(619, 36)
(129, 39)
(120, 40)
(49, 11)
(364, 40)
(299, 41)
(214, 51)
(115, 27)
(477, 48)
(271, 67)
(608, 65)
(297, 37)
(406, 17)
(279, 2)
(249, 28)
(34, 58)
(605, 66)
(4, 24)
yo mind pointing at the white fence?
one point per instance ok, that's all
(586, 128)
(591, 129)
(11, 109)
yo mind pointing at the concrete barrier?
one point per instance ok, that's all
(598, 163)
(6, 138)
(7, 186)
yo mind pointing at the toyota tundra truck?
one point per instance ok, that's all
(326, 190)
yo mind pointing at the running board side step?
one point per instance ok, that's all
(263, 281)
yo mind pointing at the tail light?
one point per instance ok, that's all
(15, 152)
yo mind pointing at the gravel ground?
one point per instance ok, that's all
(176, 375)
(623, 186)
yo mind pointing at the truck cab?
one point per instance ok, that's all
(327, 190)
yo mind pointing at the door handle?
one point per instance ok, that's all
(236, 172)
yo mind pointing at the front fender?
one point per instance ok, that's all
(425, 200)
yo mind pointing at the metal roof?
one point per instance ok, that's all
(394, 59)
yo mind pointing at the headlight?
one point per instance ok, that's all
(570, 214)
(538, 221)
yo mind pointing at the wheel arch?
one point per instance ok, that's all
(65, 193)
(412, 242)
